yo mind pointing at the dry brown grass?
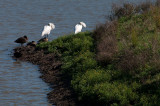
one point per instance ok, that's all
(128, 9)
(128, 60)
(106, 41)
(132, 63)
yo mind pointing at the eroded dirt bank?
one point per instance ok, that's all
(49, 66)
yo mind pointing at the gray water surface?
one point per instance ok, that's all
(20, 84)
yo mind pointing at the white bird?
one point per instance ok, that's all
(47, 29)
(79, 26)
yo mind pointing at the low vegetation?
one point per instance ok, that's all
(119, 62)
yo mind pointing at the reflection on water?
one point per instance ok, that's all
(19, 81)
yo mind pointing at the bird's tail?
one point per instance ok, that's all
(42, 34)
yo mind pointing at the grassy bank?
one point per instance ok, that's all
(119, 62)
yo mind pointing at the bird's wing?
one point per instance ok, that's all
(78, 28)
(21, 40)
(52, 25)
(46, 30)
(17, 40)
(83, 24)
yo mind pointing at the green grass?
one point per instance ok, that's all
(132, 77)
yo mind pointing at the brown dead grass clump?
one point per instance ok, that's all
(128, 9)
(125, 10)
(132, 63)
(127, 52)
(106, 41)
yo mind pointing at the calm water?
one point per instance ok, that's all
(20, 84)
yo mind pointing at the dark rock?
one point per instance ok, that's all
(17, 54)
(33, 43)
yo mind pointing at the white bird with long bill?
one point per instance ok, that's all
(47, 29)
(79, 26)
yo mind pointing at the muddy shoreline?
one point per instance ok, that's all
(49, 66)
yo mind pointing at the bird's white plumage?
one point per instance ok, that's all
(83, 24)
(52, 25)
(79, 26)
(47, 29)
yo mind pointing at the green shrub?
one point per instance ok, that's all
(78, 63)
(117, 64)
(115, 93)
(84, 83)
